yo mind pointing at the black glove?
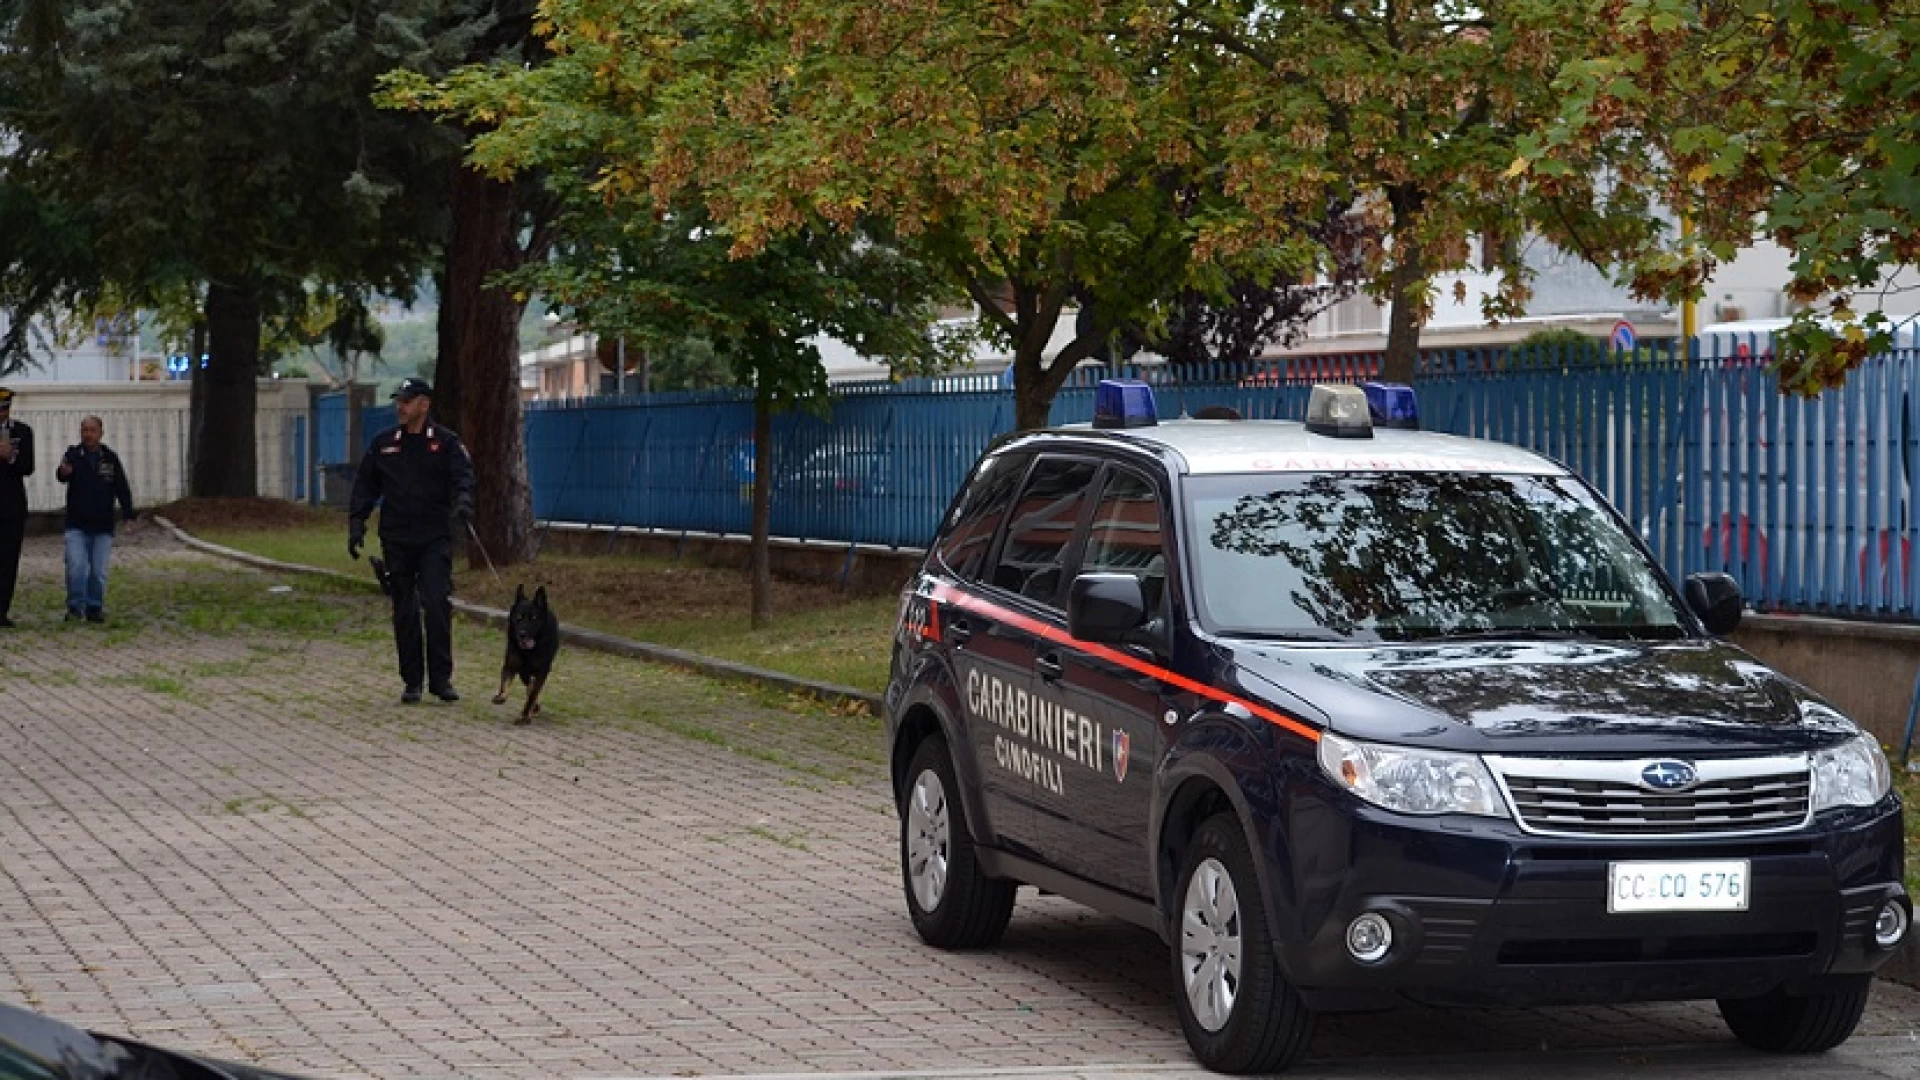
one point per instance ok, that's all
(356, 536)
(462, 514)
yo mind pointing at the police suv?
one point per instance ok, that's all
(1352, 714)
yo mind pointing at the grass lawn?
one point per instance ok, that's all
(818, 633)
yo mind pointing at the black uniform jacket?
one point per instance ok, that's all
(13, 474)
(98, 481)
(416, 480)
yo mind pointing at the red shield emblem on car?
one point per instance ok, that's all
(1122, 750)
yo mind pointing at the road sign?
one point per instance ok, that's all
(1623, 338)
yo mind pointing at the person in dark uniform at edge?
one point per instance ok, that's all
(422, 479)
(16, 464)
(95, 480)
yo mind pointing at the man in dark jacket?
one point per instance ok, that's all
(16, 464)
(422, 480)
(95, 481)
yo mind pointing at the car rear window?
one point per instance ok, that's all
(963, 545)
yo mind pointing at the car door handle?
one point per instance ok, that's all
(1050, 667)
(959, 631)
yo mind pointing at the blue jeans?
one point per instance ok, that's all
(87, 570)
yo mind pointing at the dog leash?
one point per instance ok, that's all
(497, 579)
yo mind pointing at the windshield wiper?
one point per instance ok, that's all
(1500, 633)
(1321, 637)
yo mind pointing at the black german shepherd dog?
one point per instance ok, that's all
(533, 638)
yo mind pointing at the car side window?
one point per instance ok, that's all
(1125, 537)
(1044, 518)
(963, 548)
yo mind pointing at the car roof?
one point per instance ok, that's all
(1207, 447)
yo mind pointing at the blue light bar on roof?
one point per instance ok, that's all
(1392, 405)
(1123, 403)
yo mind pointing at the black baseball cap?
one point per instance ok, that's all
(412, 388)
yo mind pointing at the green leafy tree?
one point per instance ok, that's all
(224, 142)
(1411, 113)
(1792, 119)
(677, 279)
(496, 224)
(1028, 152)
(658, 273)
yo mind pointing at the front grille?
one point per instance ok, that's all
(1604, 798)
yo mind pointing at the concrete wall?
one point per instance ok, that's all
(1866, 670)
(146, 424)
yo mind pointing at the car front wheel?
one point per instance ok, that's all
(1239, 1012)
(954, 905)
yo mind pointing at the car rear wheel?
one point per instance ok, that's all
(1783, 1023)
(954, 905)
(1239, 1013)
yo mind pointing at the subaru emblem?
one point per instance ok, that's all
(1668, 775)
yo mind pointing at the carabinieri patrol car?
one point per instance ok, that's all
(1352, 714)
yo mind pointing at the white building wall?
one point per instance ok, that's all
(146, 424)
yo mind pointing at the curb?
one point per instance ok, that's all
(591, 640)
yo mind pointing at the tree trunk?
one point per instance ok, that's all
(196, 396)
(447, 398)
(1409, 302)
(483, 366)
(224, 464)
(1035, 382)
(1403, 327)
(760, 565)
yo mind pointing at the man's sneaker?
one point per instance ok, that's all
(6, 623)
(410, 696)
(446, 693)
(72, 615)
(96, 615)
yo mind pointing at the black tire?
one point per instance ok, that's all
(970, 910)
(1267, 1027)
(1783, 1023)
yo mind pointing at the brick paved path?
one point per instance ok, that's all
(220, 832)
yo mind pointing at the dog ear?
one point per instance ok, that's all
(540, 596)
(520, 593)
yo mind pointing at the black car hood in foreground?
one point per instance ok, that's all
(35, 1047)
(1604, 697)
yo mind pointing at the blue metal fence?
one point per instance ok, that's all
(1809, 504)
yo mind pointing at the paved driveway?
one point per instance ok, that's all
(218, 831)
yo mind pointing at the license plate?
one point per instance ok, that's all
(1719, 885)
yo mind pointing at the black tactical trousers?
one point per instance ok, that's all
(12, 530)
(422, 591)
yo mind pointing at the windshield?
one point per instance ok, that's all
(1411, 555)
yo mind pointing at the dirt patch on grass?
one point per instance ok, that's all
(652, 592)
(199, 515)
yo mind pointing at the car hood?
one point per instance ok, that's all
(1603, 697)
(33, 1045)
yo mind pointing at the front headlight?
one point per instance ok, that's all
(1411, 781)
(1855, 773)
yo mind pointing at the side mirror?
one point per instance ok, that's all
(1105, 607)
(1716, 599)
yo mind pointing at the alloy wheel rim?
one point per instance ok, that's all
(1210, 944)
(929, 849)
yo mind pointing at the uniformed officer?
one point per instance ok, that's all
(422, 479)
(16, 464)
